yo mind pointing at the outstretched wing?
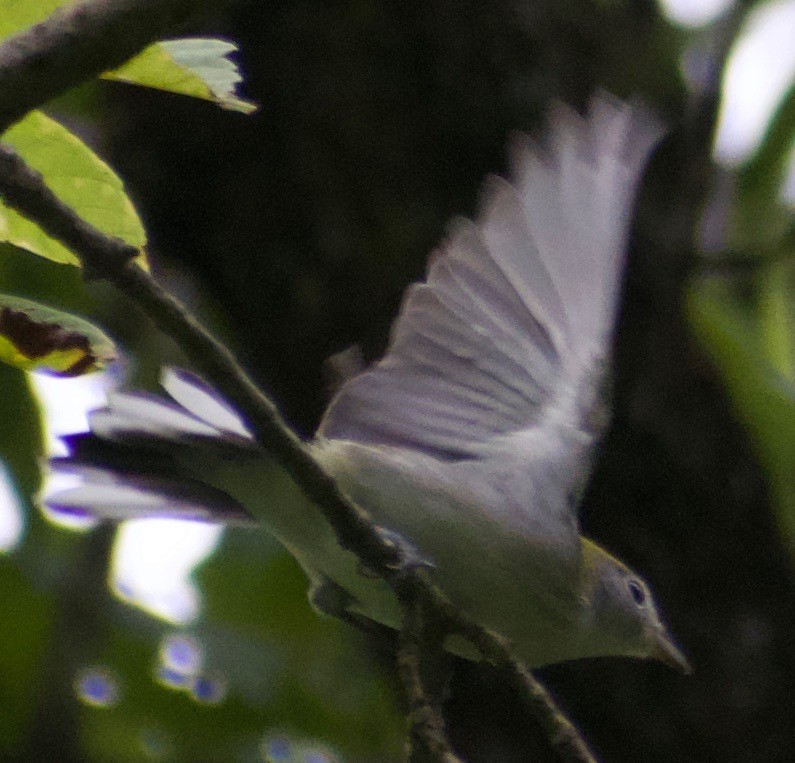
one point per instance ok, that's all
(513, 323)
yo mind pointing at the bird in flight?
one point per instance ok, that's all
(470, 440)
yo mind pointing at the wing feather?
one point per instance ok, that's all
(511, 328)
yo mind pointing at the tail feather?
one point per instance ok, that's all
(201, 401)
(136, 460)
(136, 455)
(107, 494)
(137, 413)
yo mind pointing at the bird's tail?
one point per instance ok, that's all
(145, 456)
(192, 457)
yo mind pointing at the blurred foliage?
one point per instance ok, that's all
(764, 394)
(300, 226)
(748, 324)
(25, 608)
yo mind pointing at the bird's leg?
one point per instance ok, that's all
(330, 599)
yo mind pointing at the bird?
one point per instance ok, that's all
(470, 441)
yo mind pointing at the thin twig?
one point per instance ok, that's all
(24, 189)
(420, 658)
(110, 259)
(564, 736)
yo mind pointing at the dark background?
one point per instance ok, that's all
(305, 223)
(297, 229)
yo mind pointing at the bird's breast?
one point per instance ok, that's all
(502, 564)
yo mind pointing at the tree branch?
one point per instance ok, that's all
(563, 735)
(422, 665)
(111, 259)
(81, 41)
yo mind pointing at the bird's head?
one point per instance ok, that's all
(624, 617)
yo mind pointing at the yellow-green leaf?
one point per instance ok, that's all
(16, 15)
(36, 337)
(198, 67)
(78, 177)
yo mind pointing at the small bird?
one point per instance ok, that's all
(471, 439)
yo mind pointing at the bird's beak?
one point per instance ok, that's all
(668, 652)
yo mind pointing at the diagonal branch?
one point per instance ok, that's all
(82, 41)
(111, 259)
(562, 734)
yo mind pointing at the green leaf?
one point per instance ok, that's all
(198, 67)
(16, 15)
(763, 397)
(35, 337)
(78, 177)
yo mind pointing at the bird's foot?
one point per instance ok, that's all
(409, 557)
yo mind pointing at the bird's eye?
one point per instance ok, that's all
(637, 592)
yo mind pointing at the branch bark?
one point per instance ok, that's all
(422, 664)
